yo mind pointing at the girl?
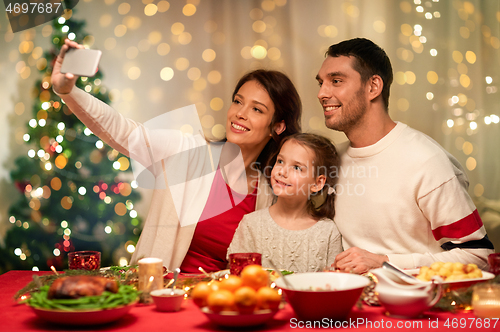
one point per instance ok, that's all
(265, 108)
(297, 233)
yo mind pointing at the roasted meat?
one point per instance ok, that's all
(78, 286)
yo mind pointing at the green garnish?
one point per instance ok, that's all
(283, 272)
(126, 294)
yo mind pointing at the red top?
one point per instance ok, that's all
(212, 236)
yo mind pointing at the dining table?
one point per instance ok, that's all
(18, 317)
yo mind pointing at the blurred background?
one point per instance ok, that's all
(162, 55)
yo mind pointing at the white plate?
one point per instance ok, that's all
(457, 283)
(83, 317)
(220, 274)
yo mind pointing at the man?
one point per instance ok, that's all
(400, 197)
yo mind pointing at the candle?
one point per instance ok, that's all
(486, 300)
(150, 274)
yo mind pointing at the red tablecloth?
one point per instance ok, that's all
(18, 318)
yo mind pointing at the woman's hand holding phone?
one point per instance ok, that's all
(63, 83)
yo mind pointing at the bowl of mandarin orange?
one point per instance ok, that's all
(236, 301)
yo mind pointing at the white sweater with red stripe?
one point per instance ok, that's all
(406, 197)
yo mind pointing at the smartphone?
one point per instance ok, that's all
(81, 62)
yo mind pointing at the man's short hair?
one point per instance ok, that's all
(370, 59)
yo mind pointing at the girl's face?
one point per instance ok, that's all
(249, 117)
(293, 172)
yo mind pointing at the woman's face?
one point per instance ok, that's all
(249, 117)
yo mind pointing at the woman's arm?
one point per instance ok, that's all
(105, 122)
(147, 146)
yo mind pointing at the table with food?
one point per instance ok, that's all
(440, 297)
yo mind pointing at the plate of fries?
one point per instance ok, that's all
(453, 274)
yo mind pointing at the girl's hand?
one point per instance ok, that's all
(63, 83)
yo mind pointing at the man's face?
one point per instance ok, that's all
(342, 93)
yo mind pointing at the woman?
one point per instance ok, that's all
(265, 108)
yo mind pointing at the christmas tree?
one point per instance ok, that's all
(76, 193)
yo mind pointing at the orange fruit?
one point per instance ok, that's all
(214, 285)
(220, 300)
(268, 298)
(230, 283)
(254, 276)
(245, 299)
(200, 293)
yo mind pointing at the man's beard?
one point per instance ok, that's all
(351, 113)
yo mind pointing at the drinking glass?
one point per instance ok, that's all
(494, 261)
(238, 261)
(84, 260)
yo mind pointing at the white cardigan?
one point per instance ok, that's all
(175, 209)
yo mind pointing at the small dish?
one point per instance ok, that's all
(235, 319)
(166, 301)
(404, 300)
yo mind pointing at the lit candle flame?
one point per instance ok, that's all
(204, 272)
(169, 283)
(54, 270)
(150, 281)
